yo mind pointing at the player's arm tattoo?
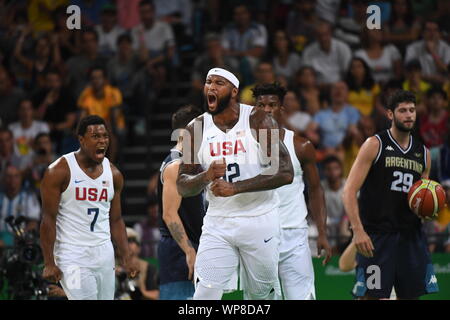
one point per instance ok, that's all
(191, 177)
(284, 174)
(179, 234)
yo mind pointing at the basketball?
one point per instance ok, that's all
(426, 198)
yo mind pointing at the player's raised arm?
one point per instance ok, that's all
(355, 180)
(55, 181)
(191, 177)
(117, 226)
(306, 153)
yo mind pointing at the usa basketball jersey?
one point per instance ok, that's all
(244, 159)
(83, 217)
(383, 197)
(292, 208)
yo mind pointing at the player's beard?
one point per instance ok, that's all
(222, 103)
(401, 127)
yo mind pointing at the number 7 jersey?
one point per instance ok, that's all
(383, 197)
(244, 159)
(83, 217)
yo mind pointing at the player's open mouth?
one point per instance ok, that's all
(212, 100)
(100, 151)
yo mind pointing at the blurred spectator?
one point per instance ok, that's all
(434, 123)
(104, 100)
(414, 82)
(78, 67)
(432, 53)
(56, 106)
(213, 57)
(349, 28)
(10, 97)
(442, 16)
(43, 156)
(333, 186)
(263, 74)
(155, 41)
(9, 155)
(301, 23)
(328, 56)
(121, 69)
(381, 120)
(175, 13)
(362, 88)
(337, 122)
(307, 90)
(148, 230)
(328, 10)
(69, 40)
(285, 61)
(128, 13)
(90, 11)
(402, 27)
(385, 61)
(297, 120)
(16, 201)
(108, 31)
(245, 40)
(40, 13)
(26, 129)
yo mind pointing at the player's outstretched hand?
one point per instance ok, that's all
(221, 188)
(52, 273)
(322, 244)
(190, 261)
(363, 243)
(216, 169)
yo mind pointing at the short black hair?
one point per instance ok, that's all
(97, 68)
(269, 89)
(331, 159)
(400, 96)
(413, 65)
(436, 90)
(146, 2)
(90, 30)
(184, 115)
(124, 37)
(40, 135)
(89, 121)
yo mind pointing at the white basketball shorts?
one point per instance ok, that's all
(295, 267)
(245, 244)
(88, 272)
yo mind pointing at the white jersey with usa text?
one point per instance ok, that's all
(83, 217)
(292, 208)
(244, 159)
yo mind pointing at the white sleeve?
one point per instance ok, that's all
(168, 34)
(33, 209)
(394, 54)
(260, 40)
(411, 53)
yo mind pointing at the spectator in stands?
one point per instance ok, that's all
(442, 16)
(362, 88)
(263, 74)
(78, 67)
(432, 52)
(433, 124)
(414, 82)
(297, 120)
(350, 27)
(43, 156)
(148, 230)
(90, 11)
(69, 40)
(177, 13)
(57, 107)
(16, 201)
(154, 39)
(104, 100)
(10, 155)
(128, 13)
(307, 90)
(245, 40)
(384, 61)
(10, 97)
(301, 23)
(327, 10)
(403, 27)
(337, 122)
(329, 57)
(333, 186)
(40, 14)
(27, 128)
(285, 61)
(108, 31)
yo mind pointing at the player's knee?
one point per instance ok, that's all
(206, 293)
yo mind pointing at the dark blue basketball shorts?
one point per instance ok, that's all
(401, 261)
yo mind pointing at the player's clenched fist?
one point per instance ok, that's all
(216, 170)
(52, 273)
(221, 188)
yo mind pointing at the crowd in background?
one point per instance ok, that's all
(338, 73)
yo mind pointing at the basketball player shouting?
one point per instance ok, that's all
(392, 249)
(241, 226)
(81, 213)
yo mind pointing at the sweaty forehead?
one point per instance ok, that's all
(95, 128)
(268, 98)
(406, 105)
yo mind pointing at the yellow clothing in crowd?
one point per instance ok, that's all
(247, 95)
(40, 13)
(444, 217)
(102, 107)
(423, 88)
(364, 100)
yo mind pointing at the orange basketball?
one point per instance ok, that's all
(426, 198)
